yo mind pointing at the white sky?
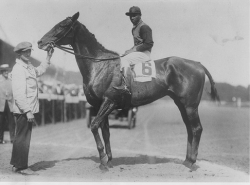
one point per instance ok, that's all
(213, 32)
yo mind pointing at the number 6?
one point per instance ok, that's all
(146, 69)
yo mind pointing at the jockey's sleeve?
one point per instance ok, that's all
(146, 35)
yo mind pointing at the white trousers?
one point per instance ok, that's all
(134, 58)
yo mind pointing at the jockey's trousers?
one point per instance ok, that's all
(134, 58)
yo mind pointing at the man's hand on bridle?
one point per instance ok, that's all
(50, 53)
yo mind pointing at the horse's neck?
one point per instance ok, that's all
(90, 48)
(83, 64)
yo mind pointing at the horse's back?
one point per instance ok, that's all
(179, 65)
(161, 64)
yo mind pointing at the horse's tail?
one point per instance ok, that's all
(214, 94)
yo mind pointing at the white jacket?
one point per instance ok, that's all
(25, 87)
(5, 93)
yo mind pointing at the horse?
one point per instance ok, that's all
(181, 79)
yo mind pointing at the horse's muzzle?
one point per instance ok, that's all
(45, 47)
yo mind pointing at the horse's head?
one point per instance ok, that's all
(60, 34)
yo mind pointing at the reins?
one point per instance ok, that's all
(82, 56)
(53, 44)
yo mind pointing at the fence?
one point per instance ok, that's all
(58, 108)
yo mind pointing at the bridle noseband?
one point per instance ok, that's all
(53, 44)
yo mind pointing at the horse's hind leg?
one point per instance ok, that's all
(106, 138)
(194, 129)
(194, 134)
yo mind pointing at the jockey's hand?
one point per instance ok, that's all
(128, 51)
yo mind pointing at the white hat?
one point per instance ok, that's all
(4, 67)
(23, 46)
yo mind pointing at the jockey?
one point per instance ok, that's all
(143, 43)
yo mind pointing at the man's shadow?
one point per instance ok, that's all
(117, 126)
(141, 159)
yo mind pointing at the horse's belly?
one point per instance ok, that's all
(146, 92)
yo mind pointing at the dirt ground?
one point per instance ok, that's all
(151, 152)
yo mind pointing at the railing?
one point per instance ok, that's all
(58, 108)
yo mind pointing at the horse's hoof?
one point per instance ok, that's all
(103, 168)
(188, 164)
(110, 165)
(104, 160)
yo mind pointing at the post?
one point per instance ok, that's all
(75, 113)
(65, 111)
(43, 113)
(62, 110)
(53, 111)
(81, 108)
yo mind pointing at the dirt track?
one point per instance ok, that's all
(153, 151)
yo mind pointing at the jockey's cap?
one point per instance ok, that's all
(134, 10)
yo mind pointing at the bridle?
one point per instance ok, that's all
(66, 49)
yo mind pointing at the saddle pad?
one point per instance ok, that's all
(144, 71)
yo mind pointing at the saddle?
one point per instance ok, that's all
(140, 72)
(144, 71)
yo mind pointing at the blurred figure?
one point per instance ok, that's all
(81, 91)
(44, 88)
(74, 90)
(59, 89)
(6, 103)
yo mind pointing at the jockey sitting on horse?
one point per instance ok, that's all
(143, 43)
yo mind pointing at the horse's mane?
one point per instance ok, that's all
(93, 45)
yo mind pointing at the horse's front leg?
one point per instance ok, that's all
(106, 108)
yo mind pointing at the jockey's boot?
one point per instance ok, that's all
(123, 87)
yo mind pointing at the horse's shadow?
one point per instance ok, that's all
(141, 159)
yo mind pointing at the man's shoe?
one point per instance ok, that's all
(16, 170)
(123, 89)
(23, 171)
(28, 171)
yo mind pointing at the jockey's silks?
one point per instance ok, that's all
(136, 35)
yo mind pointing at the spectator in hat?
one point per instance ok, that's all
(143, 43)
(26, 103)
(6, 103)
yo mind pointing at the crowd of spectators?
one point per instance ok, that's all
(69, 103)
(58, 88)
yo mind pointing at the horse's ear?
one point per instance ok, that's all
(75, 17)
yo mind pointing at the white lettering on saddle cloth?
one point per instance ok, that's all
(145, 71)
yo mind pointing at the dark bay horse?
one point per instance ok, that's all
(181, 79)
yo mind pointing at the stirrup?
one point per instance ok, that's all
(127, 89)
